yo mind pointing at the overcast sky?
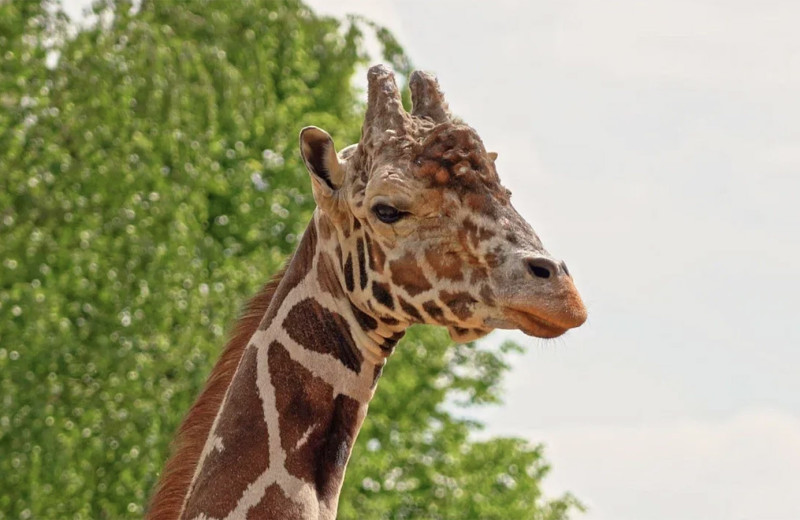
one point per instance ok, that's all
(655, 146)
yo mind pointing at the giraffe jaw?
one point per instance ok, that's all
(460, 335)
(533, 325)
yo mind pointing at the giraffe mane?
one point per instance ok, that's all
(167, 500)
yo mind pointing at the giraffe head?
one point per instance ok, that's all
(422, 229)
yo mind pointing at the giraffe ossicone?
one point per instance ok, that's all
(412, 226)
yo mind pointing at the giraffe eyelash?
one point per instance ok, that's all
(388, 214)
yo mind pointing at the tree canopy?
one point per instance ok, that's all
(149, 183)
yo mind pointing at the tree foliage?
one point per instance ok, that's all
(150, 182)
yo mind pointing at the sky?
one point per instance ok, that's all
(654, 146)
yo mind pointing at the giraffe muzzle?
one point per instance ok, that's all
(546, 304)
(533, 325)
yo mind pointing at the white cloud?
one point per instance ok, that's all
(738, 45)
(741, 468)
(783, 157)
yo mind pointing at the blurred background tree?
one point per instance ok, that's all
(149, 183)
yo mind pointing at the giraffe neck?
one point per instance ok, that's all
(280, 442)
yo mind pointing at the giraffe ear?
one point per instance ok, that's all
(493, 156)
(319, 154)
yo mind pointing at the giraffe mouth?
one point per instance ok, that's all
(534, 325)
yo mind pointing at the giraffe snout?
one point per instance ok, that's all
(545, 303)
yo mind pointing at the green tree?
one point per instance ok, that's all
(150, 182)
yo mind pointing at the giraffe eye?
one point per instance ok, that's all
(387, 214)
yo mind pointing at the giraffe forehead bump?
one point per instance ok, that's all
(427, 158)
(448, 156)
(442, 147)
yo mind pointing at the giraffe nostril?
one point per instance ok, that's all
(540, 272)
(541, 267)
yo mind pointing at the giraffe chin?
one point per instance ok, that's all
(460, 335)
(533, 325)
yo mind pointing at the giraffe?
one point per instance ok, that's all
(412, 226)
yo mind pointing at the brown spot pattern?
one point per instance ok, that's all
(410, 310)
(434, 311)
(305, 407)
(366, 321)
(299, 267)
(243, 430)
(407, 274)
(382, 294)
(308, 411)
(461, 331)
(376, 374)
(275, 504)
(325, 226)
(447, 265)
(390, 342)
(338, 442)
(348, 273)
(316, 328)
(463, 239)
(478, 274)
(327, 276)
(459, 302)
(380, 256)
(487, 295)
(362, 263)
(375, 254)
(389, 320)
(475, 234)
